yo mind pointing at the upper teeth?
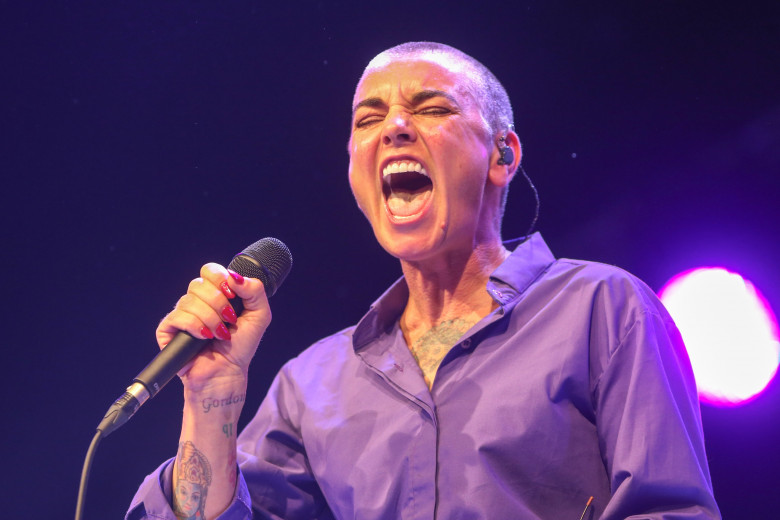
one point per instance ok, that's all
(403, 166)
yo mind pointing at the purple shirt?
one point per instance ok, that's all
(577, 385)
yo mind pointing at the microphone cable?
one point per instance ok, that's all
(85, 474)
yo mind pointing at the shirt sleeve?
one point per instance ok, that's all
(152, 501)
(275, 480)
(273, 460)
(649, 424)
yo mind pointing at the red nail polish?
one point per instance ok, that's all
(237, 277)
(222, 332)
(226, 290)
(206, 333)
(229, 315)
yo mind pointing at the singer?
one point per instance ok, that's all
(491, 381)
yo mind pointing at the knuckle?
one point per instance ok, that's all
(212, 270)
(194, 285)
(183, 301)
(191, 322)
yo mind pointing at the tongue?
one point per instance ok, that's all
(405, 203)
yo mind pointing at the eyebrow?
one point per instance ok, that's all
(419, 97)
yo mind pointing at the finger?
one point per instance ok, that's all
(195, 316)
(173, 323)
(251, 291)
(219, 277)
(206, 314)
(232, 284)
(215, 297)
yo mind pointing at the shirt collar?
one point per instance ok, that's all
(529, 259)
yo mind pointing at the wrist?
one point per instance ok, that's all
(222, 404)
(223, 399)
(195, 386)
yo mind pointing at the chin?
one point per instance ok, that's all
(409, 246)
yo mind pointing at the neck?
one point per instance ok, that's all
(450, 287)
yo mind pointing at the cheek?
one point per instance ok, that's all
(363, 145)
(434, 135)
(362, 164)
(357, 184)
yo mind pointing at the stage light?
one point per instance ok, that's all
(729, 331)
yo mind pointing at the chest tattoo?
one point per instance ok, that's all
(430, 348)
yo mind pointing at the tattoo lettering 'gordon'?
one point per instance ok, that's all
(193, 478)
(429, 350)
(215, 402)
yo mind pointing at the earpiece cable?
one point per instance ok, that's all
(532, 227)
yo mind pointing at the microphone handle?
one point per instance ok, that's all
(176, 354)
(166, 364)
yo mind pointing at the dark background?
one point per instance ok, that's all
(143, 139)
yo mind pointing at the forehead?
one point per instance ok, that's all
(385, 77)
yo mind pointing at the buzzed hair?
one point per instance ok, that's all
(489, 92)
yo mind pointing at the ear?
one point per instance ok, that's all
(501, 174)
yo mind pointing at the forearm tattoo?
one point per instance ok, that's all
(192, 481)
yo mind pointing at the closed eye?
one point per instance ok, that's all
(369, 120)
(435, 111)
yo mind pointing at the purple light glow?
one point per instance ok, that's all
(729, 331)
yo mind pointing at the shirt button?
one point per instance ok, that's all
(466, 343)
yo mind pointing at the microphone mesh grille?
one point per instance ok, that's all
(268, 260)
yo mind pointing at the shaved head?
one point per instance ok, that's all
(487, 90)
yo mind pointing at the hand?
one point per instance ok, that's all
(202, 311)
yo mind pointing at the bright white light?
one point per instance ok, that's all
(729, 331)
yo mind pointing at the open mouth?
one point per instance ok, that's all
(406, 187)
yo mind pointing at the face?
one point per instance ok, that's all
(188, 498)
(420, 160)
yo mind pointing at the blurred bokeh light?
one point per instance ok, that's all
(729, 330)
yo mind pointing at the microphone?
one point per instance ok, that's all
(268, 260)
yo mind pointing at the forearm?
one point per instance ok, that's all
(204, 475)
(204, 472)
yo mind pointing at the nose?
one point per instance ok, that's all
(398, 129)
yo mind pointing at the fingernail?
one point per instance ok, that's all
(237, 277)
(206, 333)
(222, 332)
(226, 290)
(229, 315)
